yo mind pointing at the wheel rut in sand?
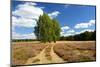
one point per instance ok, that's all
(47, 55)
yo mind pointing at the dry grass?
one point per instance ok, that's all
(70, 51)
(22, 51)
(76, 51)
(36, 60)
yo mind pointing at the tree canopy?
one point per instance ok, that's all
(47, 30)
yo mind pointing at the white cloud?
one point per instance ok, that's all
(66, 34)
(85, 25)
(23, 22)
(82, 31)
(64, 28)
(66, 6)
(27, 3)
(23, 36)
(54, 14)
(66, 31)
(71, 31)
(26, 15)
(92, 22)
(28, 10)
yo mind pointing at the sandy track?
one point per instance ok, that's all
(41, 58)
(55, 57)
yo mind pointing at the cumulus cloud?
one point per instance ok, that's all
(26, 15)
(71, 31)
(23, 36)
(65, 28)
(23, 22)
(68, 32)
(54, 14)
(85, 25)
(28, 10)
(82, 31)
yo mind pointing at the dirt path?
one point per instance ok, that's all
(55, 57)
(47, 55)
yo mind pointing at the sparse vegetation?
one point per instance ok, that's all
(36, 60)
(76, 51)
(70, 51)
(22, 51)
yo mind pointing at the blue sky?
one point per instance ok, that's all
(73, 19)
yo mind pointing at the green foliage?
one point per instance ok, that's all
(47, 30)
(23, 40)
(56, 30)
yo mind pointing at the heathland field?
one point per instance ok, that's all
(62, 51)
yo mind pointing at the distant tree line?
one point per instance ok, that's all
(23, 40)
(86, 36)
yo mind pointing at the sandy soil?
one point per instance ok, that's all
(43, 59)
